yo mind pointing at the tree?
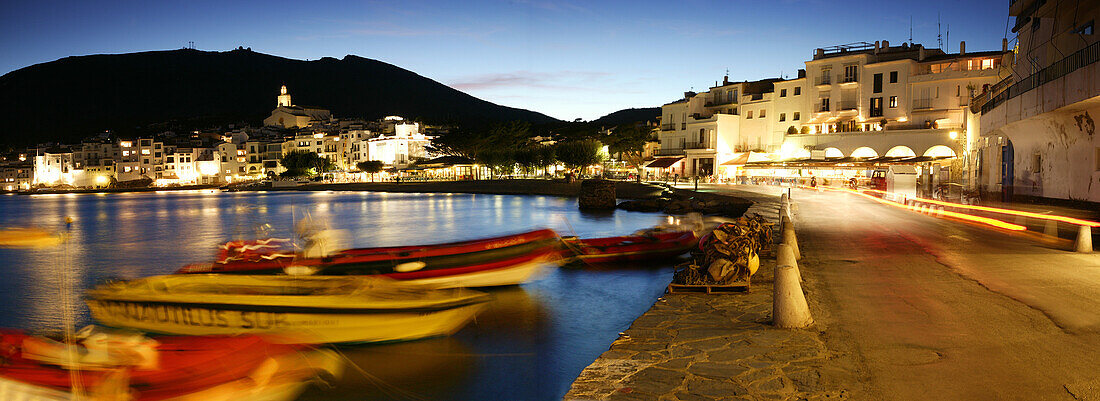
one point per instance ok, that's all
(499, 160)
(301, 163)
(628, 141)
(579, 154)
(371, 167)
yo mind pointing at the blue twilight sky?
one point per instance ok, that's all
(566, 58)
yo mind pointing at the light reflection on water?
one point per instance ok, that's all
(529, 345)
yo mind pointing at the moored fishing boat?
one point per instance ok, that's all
(646, 246)
(290, 309)
(505, 260)
(168, 368)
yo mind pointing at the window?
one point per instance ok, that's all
(144, 161)
(145, 151)
(126, 153)
(893, 102)
(1085, 29)
(850, 73)
(797, 90)
(824, 104)
(878, 83)
(1037, 163)
(876, 107)
(169, 159)
(796, 116)
(893, 77)
(782, 116)
(156, 155)
(748, 115)
(762, 113)
(987, 64)
(782, 93)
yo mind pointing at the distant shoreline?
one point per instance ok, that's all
(623, 189)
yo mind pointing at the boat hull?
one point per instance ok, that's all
(481, 263)
(283, 327)
(632, 248)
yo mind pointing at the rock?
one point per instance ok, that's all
(640, 205)
(596, 194)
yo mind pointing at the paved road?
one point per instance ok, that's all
(942, 309)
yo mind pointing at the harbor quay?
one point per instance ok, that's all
(721, 346)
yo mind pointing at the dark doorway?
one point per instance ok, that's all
(1006, 171)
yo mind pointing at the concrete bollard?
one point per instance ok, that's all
(789, 308)
(790, 239)
(1084, 239)
(785, 257)
(1051, 228)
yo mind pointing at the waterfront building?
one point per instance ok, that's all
(16, 176)
(1037, 126)
(399, 144)
(287, 115)
(854, 102)
(54, 167)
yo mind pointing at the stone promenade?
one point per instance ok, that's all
(718, 347)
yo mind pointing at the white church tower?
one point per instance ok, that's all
(284, 98)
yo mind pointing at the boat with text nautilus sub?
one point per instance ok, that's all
(287, 309)
(505, 260)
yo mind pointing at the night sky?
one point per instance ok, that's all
(568, 59)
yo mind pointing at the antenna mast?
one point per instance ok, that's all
(910, 29)
(939, 38)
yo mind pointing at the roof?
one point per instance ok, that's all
(664, 162)
(954, 56)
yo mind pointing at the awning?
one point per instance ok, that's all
(748, 157)
(663, 162)
(737, 161)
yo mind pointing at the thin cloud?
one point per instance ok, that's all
(570, 80)
(558, 6)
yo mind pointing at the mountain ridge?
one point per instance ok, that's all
(130, 93)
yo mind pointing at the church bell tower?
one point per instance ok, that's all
(284, 98)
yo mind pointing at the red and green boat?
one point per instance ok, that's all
(505, 260)
(164, 368)
(649, 246)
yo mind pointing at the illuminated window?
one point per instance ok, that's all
(762, 113)
(125, 144)
(126, 153)
(987, 64)
(748, 115)
(145, 151)
(893, 102)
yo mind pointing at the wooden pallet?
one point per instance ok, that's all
(708, 288)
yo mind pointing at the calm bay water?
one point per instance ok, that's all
(529, 345)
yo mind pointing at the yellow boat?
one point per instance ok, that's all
(289, 309)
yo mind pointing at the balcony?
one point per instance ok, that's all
(848, 105)
(922, 104)
(697, 145)
(668, 127)
(716, 103)
(822, 108)
(844, 79)
(669, 152)
(823, 80)
(1061, 68)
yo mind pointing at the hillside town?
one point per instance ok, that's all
(219, 157)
